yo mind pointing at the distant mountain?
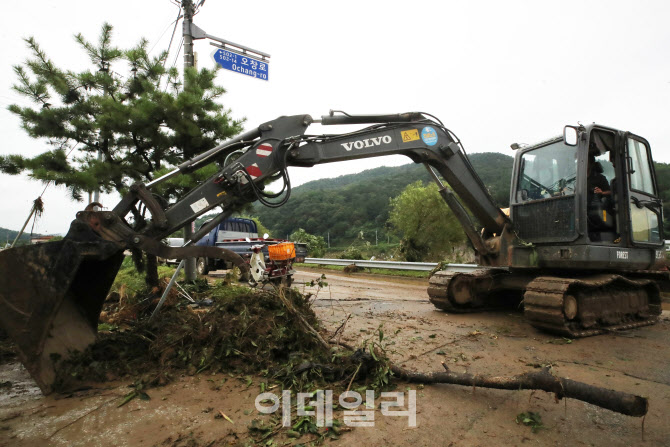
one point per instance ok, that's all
(345, 205)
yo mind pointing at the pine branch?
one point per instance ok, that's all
(141, 152)
(44, 68)
(36, 91)
(90, 49)
(104, 148)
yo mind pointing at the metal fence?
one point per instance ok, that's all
(392, 265)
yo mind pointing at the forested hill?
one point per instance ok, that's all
(8, 236)
(346, 205)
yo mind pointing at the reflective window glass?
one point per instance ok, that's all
(645, 225)
(640, 174)
(549, 171)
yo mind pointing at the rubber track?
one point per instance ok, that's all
(543, 304)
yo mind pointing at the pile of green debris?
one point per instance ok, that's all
(232, 328)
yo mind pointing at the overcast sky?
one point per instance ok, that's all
(494, 72)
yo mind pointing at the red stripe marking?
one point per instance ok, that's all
(254, 171)
(264, 150)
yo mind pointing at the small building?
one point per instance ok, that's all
(41, 239)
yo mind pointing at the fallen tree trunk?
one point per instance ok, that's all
(624, 403)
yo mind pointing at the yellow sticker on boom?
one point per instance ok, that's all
(409, 135)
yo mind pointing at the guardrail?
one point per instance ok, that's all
(393, 265)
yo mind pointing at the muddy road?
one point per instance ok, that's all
(418, 337)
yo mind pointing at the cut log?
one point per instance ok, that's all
(624, 403)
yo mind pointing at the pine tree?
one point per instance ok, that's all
(106, 130)
(142, 123)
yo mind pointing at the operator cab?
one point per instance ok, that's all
(594, 186)
(622, 203)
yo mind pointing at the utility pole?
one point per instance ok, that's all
(96, 193)
(95, 196)
(188, 7)
(230, 50)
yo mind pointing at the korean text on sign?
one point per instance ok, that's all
(242, 64)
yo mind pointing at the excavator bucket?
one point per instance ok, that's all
(51, 296)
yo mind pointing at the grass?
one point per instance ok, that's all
(132, 281)
(530, 419)
(389, 272)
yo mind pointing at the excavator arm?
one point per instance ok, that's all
(51, 295)
(269, 150)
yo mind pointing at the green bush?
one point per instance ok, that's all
(428, 227)
(352, 253)
(316, 245)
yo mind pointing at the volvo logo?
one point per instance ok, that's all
(368, 142)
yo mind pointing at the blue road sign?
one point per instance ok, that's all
(242, 64)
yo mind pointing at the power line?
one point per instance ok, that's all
(165, 31)
(176, 22)
(181, 44)
(175, 60)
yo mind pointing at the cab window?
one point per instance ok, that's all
(645, 219)
(640, 174)
(549, 171)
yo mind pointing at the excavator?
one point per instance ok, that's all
(582, 246)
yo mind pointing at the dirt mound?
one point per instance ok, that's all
(353, 268)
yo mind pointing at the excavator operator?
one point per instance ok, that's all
(599, 201)
(597, 183)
